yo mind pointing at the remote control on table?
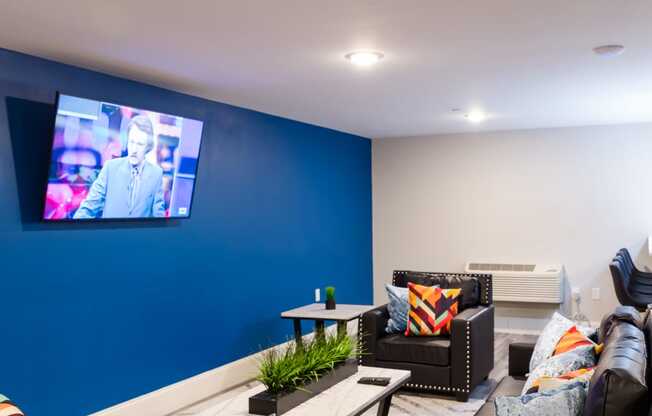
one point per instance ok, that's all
(376, 381)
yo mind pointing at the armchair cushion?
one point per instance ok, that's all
(419, 350)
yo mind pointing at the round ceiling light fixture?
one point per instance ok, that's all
(476, 116)
(609, 50)
(364, 58)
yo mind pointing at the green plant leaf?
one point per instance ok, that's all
(295, 367)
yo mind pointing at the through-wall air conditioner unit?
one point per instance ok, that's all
(536, 283)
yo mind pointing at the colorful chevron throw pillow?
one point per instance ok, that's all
(7, 408)
(572, 339)
(431, 310)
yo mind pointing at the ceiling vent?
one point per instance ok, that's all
(523, 282)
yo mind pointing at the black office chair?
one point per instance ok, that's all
(633, 286)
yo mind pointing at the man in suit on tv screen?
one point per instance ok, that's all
(130, 186)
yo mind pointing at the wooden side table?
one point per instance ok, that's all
(317, 312)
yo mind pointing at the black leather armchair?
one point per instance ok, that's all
(633, 287)
(452, 364)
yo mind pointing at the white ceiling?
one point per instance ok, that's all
(527, 63)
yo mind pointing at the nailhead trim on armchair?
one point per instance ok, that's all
(360, 341)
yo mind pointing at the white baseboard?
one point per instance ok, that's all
(186, 392)
(518, 331)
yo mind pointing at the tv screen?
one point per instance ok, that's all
(110, 161)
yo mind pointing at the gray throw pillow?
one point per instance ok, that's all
(566, 401)
(397, 308)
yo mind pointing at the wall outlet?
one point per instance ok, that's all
(575, 292)
(595, 293)
(317, 295)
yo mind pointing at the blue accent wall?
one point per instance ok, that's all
(94, 314)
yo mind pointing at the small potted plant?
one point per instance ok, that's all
(330, 297)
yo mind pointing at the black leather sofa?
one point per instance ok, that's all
(618, 386)
(453, 364)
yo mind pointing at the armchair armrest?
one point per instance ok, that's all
(519, 358)
(371, 327)
(472, 347)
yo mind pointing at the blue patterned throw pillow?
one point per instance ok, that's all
(398, 309)
(565, 401)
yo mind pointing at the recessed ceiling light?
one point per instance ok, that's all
(609, 50)
(476, 116)
(364, 58)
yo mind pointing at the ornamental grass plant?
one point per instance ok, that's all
(299, 365)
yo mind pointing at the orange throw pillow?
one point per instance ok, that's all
(570, 340)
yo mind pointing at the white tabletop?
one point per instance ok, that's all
(343, 399)
(343, 312)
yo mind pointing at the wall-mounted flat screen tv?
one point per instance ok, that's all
(111, 161)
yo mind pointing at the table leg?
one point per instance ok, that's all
(383, 405)
(341, 328)
(319, 329)
(297, 332)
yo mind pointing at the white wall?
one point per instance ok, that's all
(571, 195)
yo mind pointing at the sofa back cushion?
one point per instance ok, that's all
(618, 386)
(620, 314)
(471, 296)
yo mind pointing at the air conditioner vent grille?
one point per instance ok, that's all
(521, 282)
(507, 267)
